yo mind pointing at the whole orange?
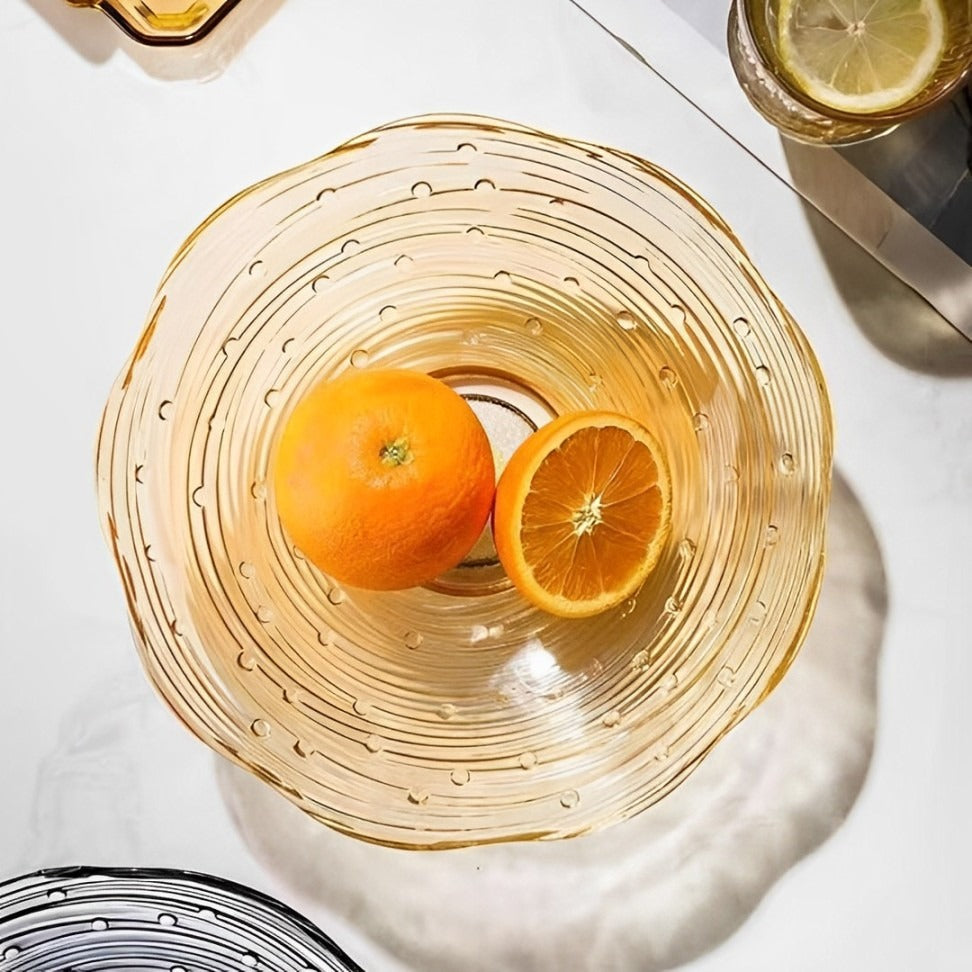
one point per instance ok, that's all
(384, 478)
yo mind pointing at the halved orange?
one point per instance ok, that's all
(582, 512)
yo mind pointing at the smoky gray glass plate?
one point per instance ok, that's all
(81, 919)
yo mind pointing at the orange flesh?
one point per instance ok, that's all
(593, 507)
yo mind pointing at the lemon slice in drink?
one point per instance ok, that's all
(861, 56)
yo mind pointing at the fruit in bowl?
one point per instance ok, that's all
(455, 712)
(384, 478)
(582, 512)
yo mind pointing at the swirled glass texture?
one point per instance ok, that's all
(556, 275)
(144, 918)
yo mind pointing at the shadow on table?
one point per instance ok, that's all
(649, 893)
(892, 316)
(96, 39)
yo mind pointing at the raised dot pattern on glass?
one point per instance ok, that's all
(634, 243)
(93, 919)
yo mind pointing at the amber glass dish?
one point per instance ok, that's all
(162, 22)
(539, 275)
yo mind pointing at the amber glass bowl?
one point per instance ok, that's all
(539, 275)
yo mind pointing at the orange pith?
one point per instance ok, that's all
(383, 478)
(582, 511)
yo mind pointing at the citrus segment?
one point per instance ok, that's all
(581, 513)
(384, 479)
(861, 56)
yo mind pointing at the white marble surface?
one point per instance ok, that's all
(107, 166)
